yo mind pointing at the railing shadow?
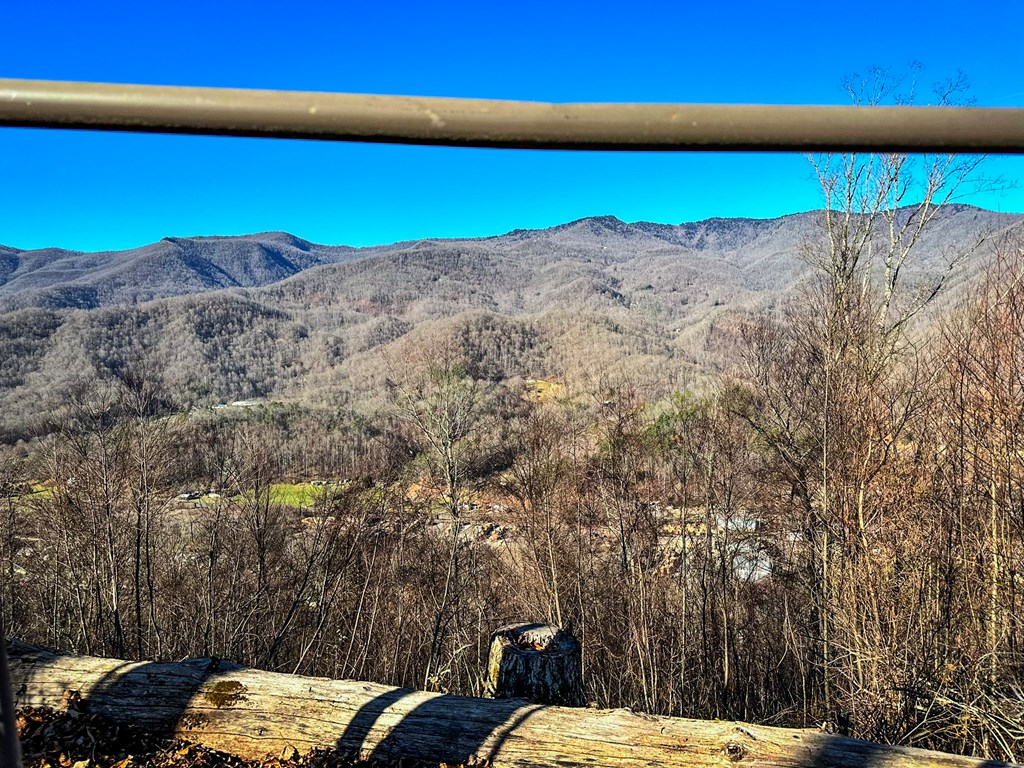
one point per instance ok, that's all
(133, 686)
(396, 724)
(154, 695)
(449, 729)
(845, 752)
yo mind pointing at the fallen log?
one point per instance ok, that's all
(255, 714)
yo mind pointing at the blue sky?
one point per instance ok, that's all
(93, 191)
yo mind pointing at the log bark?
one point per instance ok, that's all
(254, 715)
(536, 662)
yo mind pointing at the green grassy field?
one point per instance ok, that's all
(300, 495)
(39, 491)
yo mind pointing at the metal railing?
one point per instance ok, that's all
(510, 124)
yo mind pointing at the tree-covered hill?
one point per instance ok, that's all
(273, 316)
(175, 266)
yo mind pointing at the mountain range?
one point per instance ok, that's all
(272, 315)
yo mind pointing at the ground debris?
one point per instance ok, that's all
(74, 739)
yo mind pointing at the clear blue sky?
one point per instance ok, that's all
(92, 191)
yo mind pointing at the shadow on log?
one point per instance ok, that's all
(254, 715)
(157, 693)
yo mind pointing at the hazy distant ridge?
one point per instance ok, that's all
(763, 249)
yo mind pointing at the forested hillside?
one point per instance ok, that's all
(175, 266)
(300, 322)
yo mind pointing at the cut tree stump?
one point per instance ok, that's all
(536, 662)
(255, 715)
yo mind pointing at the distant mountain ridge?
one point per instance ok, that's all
(55, 278)
(58, 279)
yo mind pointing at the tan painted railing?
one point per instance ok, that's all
(512, 124)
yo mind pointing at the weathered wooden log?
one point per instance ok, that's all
(254, 714)
(536, 662)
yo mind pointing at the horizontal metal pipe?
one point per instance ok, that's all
(513, 124)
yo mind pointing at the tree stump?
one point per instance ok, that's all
(536, 662)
